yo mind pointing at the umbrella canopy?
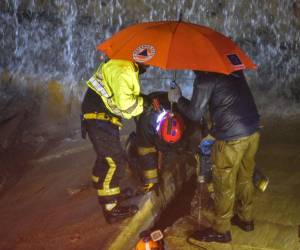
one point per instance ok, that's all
(177, 45)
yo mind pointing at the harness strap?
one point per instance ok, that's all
(103, 117)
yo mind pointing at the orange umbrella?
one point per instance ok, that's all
(177, 45)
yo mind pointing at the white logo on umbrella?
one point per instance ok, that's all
(143, 53)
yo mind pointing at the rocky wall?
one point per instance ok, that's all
(48, 50)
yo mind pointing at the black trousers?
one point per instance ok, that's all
(110, 162)
(146, 142)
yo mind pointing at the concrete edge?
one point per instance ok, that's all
(151, 207)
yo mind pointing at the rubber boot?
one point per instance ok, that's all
(127, 193)
(119, 213)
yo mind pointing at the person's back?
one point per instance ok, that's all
(147, 125)
(113, 93)
(235, 125)
(231, 105)
(160, 130)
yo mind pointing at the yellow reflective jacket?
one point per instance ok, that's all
(117, 83)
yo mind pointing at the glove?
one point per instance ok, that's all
(174, 94)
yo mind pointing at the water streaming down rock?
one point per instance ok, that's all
(47, 50)
(49, 43)
(57, 39)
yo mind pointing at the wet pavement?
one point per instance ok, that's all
(54, 206)
(276, 211)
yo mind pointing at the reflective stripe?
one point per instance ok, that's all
(110, 206)
(146, 150)
(114, 108)
(133, 107)
(98, 85)
(106, 189)
(117, 83)
(95, 178)
(95, 82)
(103, 117)
(148, 246)
(150, 174)
(112, 191)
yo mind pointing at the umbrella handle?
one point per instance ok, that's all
(173, 85)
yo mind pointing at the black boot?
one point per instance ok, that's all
(210, 235)
(247, 226)
(119, 212)
(126, 194)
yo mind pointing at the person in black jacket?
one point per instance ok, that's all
(161, 130)
(235, 125)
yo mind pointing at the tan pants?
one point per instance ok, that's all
(233, 166)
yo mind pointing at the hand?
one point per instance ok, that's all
(174, 94)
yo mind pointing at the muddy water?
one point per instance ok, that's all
(179, 207)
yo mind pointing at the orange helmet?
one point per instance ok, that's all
(171, 127)
(145, 244)
(150, 241)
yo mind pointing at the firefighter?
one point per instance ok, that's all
(113, 94)
(161, 130)
(235, 125)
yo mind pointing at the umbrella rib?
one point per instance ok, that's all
(132, 36)
(214, 48)
(123, 44)
(172, 38)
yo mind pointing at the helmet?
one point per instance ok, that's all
(144, 244)
(171, 127)
(148, 242)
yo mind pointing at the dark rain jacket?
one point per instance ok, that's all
(147, 135)
(229, 101)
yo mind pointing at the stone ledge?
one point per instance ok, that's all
(151, 205)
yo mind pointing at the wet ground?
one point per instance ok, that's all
(277, 211)
(54, 207)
